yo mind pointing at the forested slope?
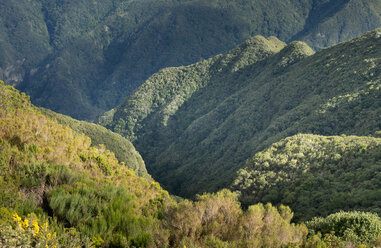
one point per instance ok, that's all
(196, 125)
(57, 191)
(315, 175)
(82, 58)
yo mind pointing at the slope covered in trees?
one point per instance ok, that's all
(82, 57)
(57, 191)
(315, 175)
(196, 125)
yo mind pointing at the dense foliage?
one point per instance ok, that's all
(82, 57)
(195, 126)
(315, 175)
(47, 168)
(216, 220)
(357, 227)
(122, 148)
(58, 191)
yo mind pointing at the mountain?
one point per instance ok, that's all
(58, 191)
(195, 126)
(122, 148)
(315, 175)
(82, 58)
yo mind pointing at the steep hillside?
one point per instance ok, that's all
(196, 125)
(329, 22)
(83, 57)
(315, 175)
(48, 169)
(122, 148)
(57, 191)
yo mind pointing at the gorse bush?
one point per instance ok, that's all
(29, 232)
(35, 232)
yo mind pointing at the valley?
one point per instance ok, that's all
(190, 123)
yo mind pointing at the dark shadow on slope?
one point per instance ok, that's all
(319, 13)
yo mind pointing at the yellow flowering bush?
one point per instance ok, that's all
(30, 232)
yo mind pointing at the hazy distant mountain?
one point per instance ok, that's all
(82, 58)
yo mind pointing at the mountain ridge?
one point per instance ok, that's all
(82, 58)
(58, 191)
(334, 91)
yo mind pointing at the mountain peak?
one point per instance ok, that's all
(258, 44)
(251, 51)
(293, 53)
(299, 47)
(260, 41)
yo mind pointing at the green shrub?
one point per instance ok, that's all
(357, 227)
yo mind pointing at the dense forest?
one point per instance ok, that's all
(196, 125)
(83, 57)
(57, 190)
(315, 175)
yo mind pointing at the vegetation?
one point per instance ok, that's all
(82, 57)
(357, 227)
(195, 126)
(216, 220)
(58, 191)
(47, 168)
(122, 148)
(315, 175)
